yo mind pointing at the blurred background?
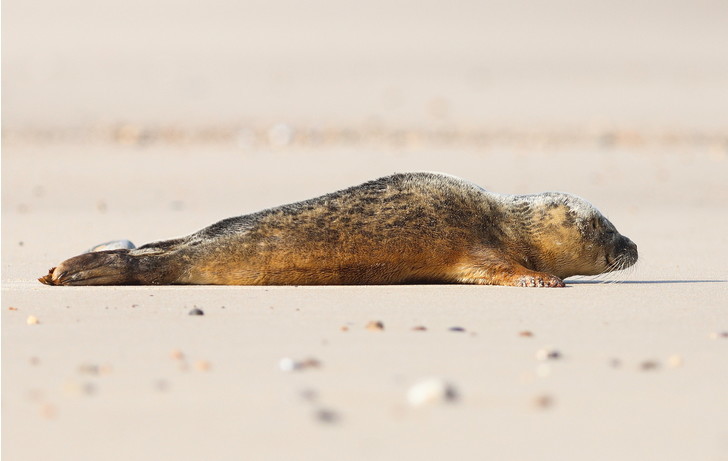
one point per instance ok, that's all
(286, 72)
(149, 119)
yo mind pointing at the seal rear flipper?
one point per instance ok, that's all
(48, 278)
(114, 267)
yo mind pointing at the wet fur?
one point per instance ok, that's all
(404, 228)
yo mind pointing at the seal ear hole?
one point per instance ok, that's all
(594, 224)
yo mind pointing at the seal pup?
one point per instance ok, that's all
(403, 228)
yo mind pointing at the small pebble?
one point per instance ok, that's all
(161, 385)
(77, 388)
(129, 134)
(88, 388)
(48, 411)
(649, 365)
(289, 364)
(310, 363)
(196, 311)
(202, 365)
(105, 369)
(548, 354)
(177, 354)
(457, 329)
(344, 328)
(112, 245)
(309, 395)
(431, 390)
(674, 361)
(525, 334)
(543, 402)
(327, 416)
(419, 328)
(89, 369)
(615, 363)
(32, 320)
(719, 335)
(12, 308)
(375, 325)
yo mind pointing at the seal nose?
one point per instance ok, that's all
(630, 248)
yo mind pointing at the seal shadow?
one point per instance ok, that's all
(639, 282)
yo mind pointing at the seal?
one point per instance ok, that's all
(403, 228)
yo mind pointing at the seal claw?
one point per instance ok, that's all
(48, 278)
(540, 281)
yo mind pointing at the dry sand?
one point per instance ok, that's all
(122, 123)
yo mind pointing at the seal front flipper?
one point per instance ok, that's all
(520, 278)
(114, 267)
(537, 279)
(494, 271)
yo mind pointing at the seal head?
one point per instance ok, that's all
(566, 235)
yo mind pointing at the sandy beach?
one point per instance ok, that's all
(152, 121)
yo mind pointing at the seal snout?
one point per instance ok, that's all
(630, 247)
(625, 254)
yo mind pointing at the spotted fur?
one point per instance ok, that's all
(404, 228)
